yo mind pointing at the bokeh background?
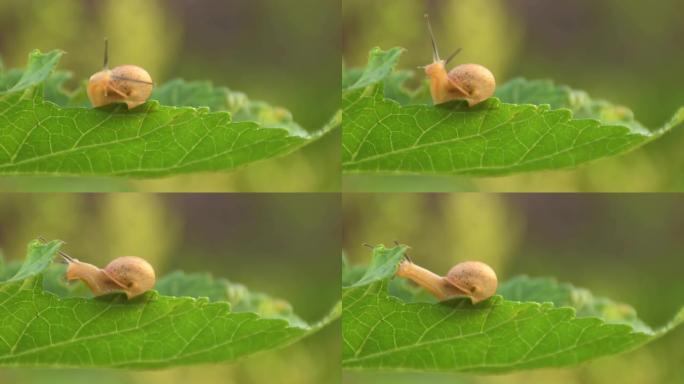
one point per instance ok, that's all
(285, 53)
(628, 247)
(285, 245)
(627, 52)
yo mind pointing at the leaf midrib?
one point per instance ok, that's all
(519, 162)
(31, 284)
(92, 337)
(73, 149)
(177, 165)
(427, 145)
(506, 365)
(427, 343)
(505, 167)
(284, 142)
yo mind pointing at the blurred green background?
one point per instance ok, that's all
(628, 247)
(628, 52)
(285, 53)
(285, 245)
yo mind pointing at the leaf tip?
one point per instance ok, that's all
(37, 53)
(39, 242)
(679, 116)
(678, 319)
(394, 50)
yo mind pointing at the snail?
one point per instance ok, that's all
(471, 82)
(128, 84)
(472, 279)
(130, 274)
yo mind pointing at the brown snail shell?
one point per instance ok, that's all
(471, 82)
(130, 274)
(474, 279)
(128, 84)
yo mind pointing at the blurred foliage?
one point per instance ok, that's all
(272, 51)
(624, 246)
(262, 241)
(626, 53)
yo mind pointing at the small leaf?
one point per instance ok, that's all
(53, 89)
(380, 65)
(40, 328)
(380, 331)
(9, 78)
(39, 68)
(38, 259)
(53, 137)
(538, 126)
(380, 268)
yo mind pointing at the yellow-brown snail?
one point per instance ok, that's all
(128, 84)
(471, 82)
(472, 279)
(129, 274)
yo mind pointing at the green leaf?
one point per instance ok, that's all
(350, 273)
(381, 268)
(37, 260)
(532, 125)
(3, 265)
(40, 328)
(240, 298)
(39, 68)
(380, 65)
(382, 331)
(52, 137)
(9, 78)
(540, 289)
(54, 90)
(179, 93)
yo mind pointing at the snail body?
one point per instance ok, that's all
(472, 279)
(471, 82)
(130, 274)
(95, 278)
(127, 84)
